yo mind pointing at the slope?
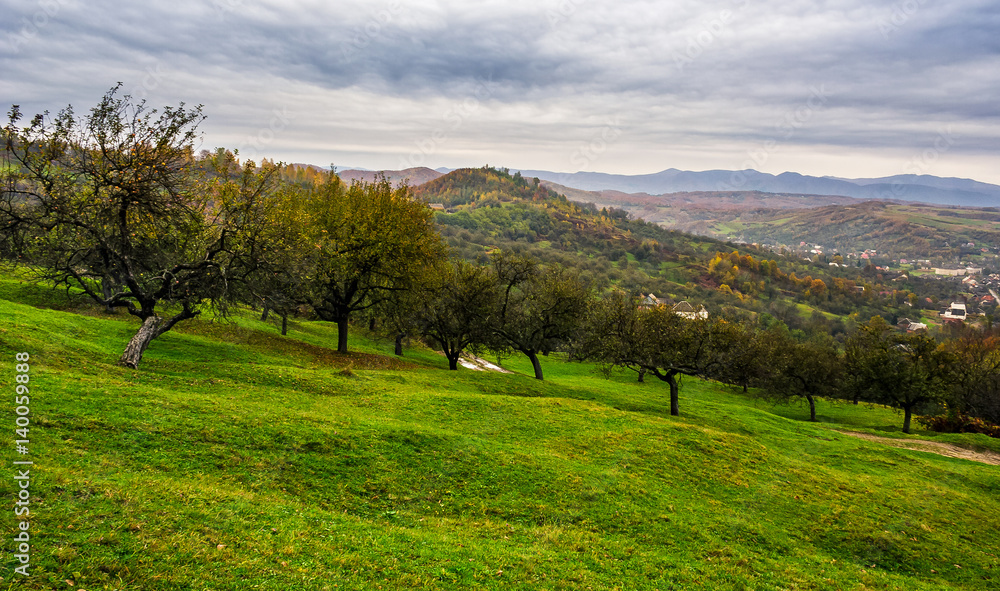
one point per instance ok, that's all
(912, 230)
(239, 459)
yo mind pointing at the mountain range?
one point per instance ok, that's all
(920, 188)
(904, 187)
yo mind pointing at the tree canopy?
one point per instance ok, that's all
(115, 204)
(360, 244)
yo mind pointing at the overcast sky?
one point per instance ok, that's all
(849, 88)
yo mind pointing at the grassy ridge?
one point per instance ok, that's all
(238, 459)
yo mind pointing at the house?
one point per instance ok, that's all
(686, 310)
(649, 301)
(957, 312)
(949, 272)
(907, 325)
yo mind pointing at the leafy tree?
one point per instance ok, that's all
(752, 363)
(115, 204)
(659, 342)
(900, 370)
(536, 310)
(977, 374)
(807, 370)
(457, 313)
(362, 243)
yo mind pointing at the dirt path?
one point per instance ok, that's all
(934, 447)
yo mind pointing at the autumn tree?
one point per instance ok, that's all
(803, 370)
(658, 341)
(976, 389)
(456, 313)
(900, 370)
(536, 309)
(114, 204)
(752, 362)
(362, 243)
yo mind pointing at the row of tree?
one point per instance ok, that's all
(117, 205)
(909, 371)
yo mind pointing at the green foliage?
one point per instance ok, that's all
(240, 459)
(456, 312)
(658, 341)
(114, 204)
(811, 370)
(901, 370)
(535, 310)
(357, 246)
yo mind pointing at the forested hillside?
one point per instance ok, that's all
(490, 209)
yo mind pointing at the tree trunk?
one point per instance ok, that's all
(342, 335)
(108, 291)
(399, 345)
(907, 414)
(371, 324)
(812, 407)
(265, 313)
(533, 356)
(675, 395)
(452, 360)
(642, 374)
(284, 324)
(149, 330)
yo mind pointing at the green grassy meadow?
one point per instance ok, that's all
(236, 458)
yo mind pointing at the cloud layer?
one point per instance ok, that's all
(838, 87)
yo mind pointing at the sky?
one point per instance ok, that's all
(846, 88)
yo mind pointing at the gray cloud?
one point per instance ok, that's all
(524, 83)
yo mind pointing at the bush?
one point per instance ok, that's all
(960, 423)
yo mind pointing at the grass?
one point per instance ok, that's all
(235, 458)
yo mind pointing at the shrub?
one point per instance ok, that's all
(960, 423)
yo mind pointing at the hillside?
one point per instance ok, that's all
(411, 176)
(898, 230)
(489, 209)
(239, 459)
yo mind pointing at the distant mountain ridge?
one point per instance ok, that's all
(412, 176)
(904, 187)
(921, 188)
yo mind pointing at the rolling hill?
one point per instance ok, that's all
(240, 459)
(412, 176)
